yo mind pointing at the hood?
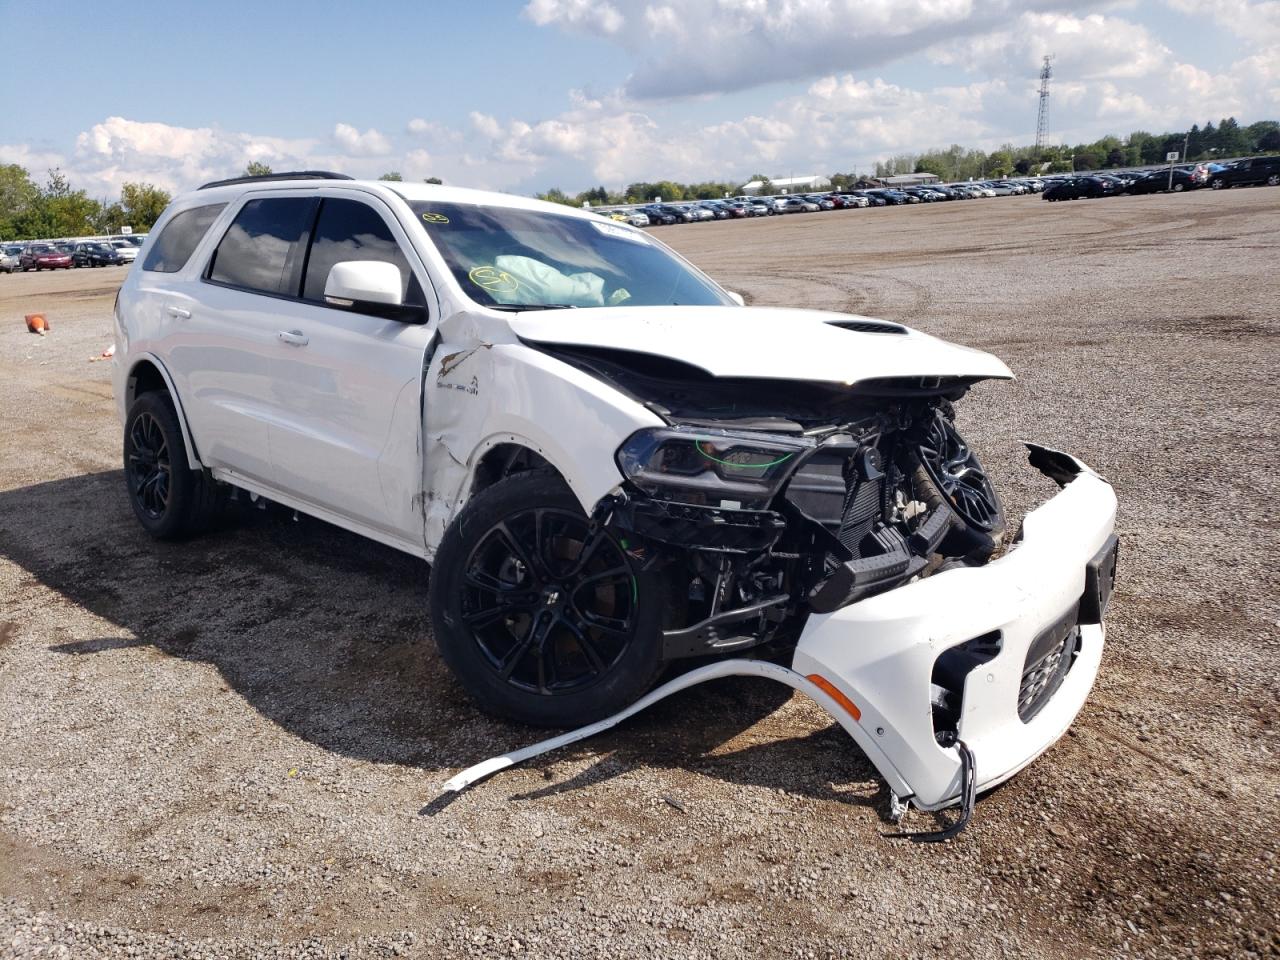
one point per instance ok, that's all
(763, 342)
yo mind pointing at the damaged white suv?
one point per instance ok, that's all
(613, 466)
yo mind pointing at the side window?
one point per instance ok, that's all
(351, 230)
(179, 238)
(262, 249)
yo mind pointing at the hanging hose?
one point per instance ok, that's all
(968, 797)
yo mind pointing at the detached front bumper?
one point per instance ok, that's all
(881, 653)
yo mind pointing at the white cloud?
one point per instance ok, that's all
(371, 143)
(1257, 22)
(707, 46)
(1084, 48)
(587, 15)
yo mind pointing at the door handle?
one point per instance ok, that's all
(295, 338)
(179, 312)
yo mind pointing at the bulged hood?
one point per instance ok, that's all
(782, 344)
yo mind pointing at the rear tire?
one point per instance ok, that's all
(1273, 180)
(170, 500)
(532, 631)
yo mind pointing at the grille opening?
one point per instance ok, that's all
(1048, 661)
(946, 683)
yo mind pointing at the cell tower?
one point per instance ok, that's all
(1042, 121)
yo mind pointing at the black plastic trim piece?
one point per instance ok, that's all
(699, 527)
(1059, 467)
(705, 638)
(1099, 581)
(269, 177)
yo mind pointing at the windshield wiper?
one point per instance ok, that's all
(518, 307)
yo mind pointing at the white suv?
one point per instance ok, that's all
(612, 465)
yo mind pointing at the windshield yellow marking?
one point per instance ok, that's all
(435, 217)
(493, 280)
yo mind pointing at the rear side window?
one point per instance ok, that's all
(262, 249)
(351, 230)
(172, 249)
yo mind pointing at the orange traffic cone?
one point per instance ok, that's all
(36, 323)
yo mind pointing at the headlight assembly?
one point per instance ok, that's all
(715, 468)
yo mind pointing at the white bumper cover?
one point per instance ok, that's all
(880, 652)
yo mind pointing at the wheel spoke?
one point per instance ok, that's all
(518, 550)
(588, 647)
(613, 573)
(487, 617)
(587, 551)
(489, 583)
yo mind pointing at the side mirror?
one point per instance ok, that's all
(736, 298)
(358, 283)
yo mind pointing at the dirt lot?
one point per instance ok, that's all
(232, 747)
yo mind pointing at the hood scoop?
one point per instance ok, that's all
(867, 326)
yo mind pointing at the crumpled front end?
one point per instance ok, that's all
(999, 657)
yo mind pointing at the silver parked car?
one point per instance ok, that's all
(9, 256)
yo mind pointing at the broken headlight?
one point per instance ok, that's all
(710, 467)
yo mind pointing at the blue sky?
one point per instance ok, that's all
(528, 94)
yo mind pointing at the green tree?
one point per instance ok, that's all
(556, 195)
(142, 204)
(64, 212)
(19, 197)
(257, 169)
(110, 218)
(393, 175)
(1231, 140)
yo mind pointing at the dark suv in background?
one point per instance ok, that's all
(1252, 170)
(1255, 169)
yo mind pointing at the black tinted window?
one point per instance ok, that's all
(351, 230)
(179, 239)
(262, 249)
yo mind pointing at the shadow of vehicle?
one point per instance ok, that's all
(325, 633)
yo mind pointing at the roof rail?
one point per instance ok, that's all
(290, 175)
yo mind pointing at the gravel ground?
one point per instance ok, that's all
(232, 748)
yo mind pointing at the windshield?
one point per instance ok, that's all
(509, 258)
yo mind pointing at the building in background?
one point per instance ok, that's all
(788, 185)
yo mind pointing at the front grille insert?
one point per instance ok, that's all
(1048, 661)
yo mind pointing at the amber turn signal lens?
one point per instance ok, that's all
(827, 687)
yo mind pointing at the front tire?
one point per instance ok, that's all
(1218, 183)
(543, 620)
(170, 500)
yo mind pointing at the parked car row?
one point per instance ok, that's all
(743, 207)
(64, 254)
(1254, 171)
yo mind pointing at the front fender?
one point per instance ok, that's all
(485, 394)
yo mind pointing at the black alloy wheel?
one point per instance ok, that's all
(148, 465)
(170, 500)
(947, 473)
(957, 473)
(544, 618)
(550, 603)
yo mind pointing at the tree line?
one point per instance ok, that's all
(30, 210)
(56, 209)
(1140, 148)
